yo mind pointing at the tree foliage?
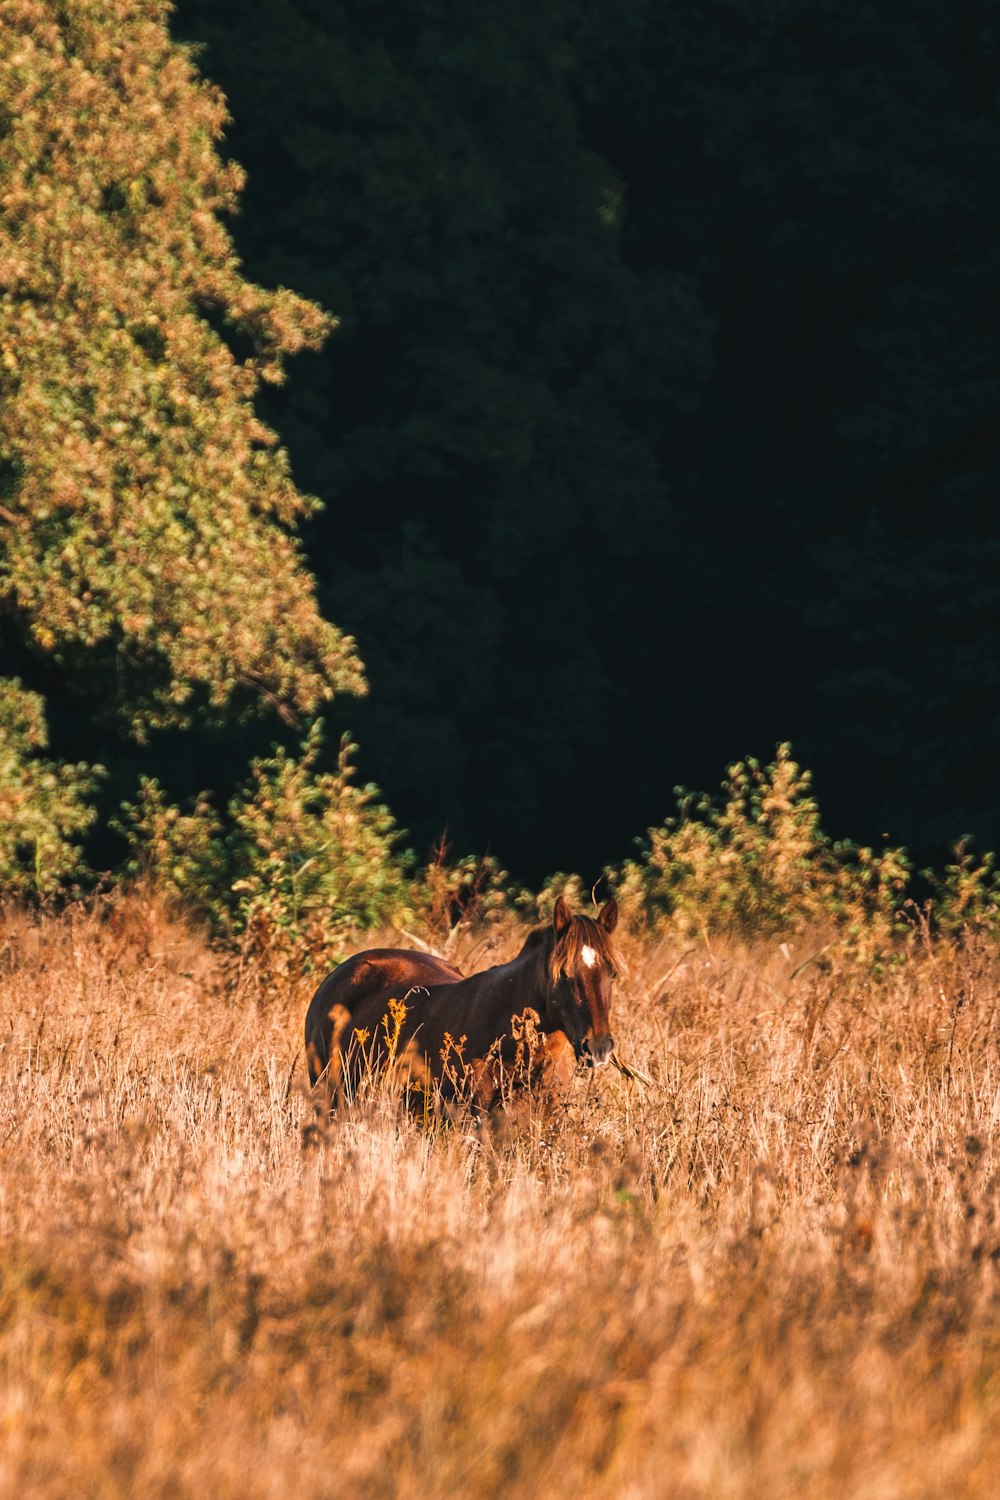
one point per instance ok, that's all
(148, 514)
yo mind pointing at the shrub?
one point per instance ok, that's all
(967, 894)
(44, 807)
(756, 861)
(303, 856)
(313, 854)
(183, 856)
(453, 896)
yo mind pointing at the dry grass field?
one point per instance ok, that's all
(773, 1272)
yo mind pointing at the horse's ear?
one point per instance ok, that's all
(560, 916)
(609, 915)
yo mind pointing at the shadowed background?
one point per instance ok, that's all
(661, 420)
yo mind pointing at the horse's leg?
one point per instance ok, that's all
(485, 1089)
(514, 1072)
(328, 1071)
(410, 1072)
(556, 1068)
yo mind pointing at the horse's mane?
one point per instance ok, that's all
(584, 932)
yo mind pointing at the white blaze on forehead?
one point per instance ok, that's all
(589, 957)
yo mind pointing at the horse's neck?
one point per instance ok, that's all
(527, 979)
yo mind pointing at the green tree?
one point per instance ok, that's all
(148, 515)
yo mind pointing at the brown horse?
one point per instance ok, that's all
(483, 1038)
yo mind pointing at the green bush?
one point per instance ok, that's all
(756, 860)
(44, 807)
(305, 860)
(313, 855)
(302, 858)
(967, 894)
(184, 856)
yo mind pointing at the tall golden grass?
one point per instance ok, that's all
(773, 1272)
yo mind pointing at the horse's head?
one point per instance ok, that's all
(583, 966)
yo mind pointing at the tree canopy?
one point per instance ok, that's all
(148, 514)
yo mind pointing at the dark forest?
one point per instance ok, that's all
(660, 422)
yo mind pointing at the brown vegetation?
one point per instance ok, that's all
(773, 1272)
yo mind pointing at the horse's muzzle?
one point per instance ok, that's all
(597, 1050)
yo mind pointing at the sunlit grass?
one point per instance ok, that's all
(772, 1272)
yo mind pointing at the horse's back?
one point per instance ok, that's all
(377, 972)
